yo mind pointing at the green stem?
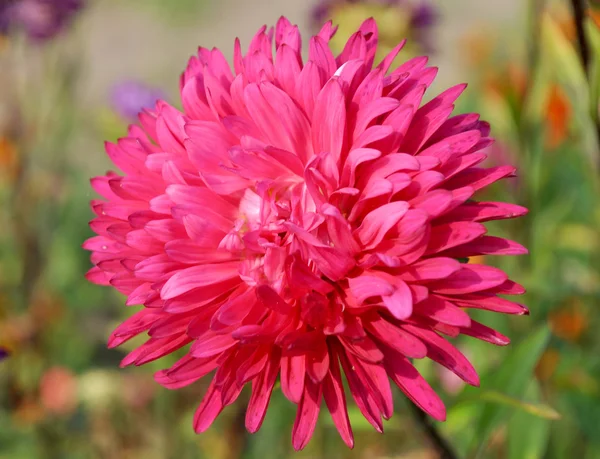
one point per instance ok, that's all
(585, 55)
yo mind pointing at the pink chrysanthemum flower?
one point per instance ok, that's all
(303, 221)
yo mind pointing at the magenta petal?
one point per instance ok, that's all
(361, 393)
(447, 236)
(208, 410)
(445, 354)
(488, 245)
(399, 303)
(317, 363)
(335, 398)
(365, 349)
(485, 211)
(408, 379)
(211, 344)
(378, 222)
(480, 331)
(329, 120)
(398, 339)
(470, 279)
(261, 394)
(431, 269)
(198, 276)
(366, 286)
(489, 302)
(270, 299)
(293, 370)
(443, 311)
(307, 414)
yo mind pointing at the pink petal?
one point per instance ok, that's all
(307, 415)
(489, 302)
(480, 331)
(378, 222)
(335, 398)
(321, 55)
(442, 311)
(365, 286)
(387, 61)
(445, 354)
(360, 393)
(399, 303)
(329, 120)
(252, 366)
(485, 211)
(478, 178)
(292, 377)
(470, 279)
(235, 309)
(270, 299)
(211, 344)
(449, 235)
(431, 269)
(262, 388)
(208, 410)
(354, 159)
(454, 145)
(488, 245)
(397, 339)
(317, 362)
(408, 379)
(365, 349)
(198, 276)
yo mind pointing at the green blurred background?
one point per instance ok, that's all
(62, 394)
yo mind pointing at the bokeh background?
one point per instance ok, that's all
(65, 90)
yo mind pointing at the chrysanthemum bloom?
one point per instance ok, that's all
(40, 19)
(302, 221)
(397, 19)
(128, 98)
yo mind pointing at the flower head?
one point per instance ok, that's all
(303, 220)
(40, 19)
(129, 98)
(397, 19)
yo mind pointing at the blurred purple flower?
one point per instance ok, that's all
(40, 19)
(128, 98)
(3, 353)
(423, 16)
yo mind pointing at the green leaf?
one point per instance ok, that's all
(593, 33)
(587, 414)
(536, 409)
(511, 379)
(563, 55)
(528, 435)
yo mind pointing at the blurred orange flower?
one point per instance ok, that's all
(510, 83)
(8, 156)
(594, 14)
(569, 322)
(29, 412)
(558, 112)
(15, 330)
(46, 308)
(477, 46)
(58, 391)
(547, 364)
